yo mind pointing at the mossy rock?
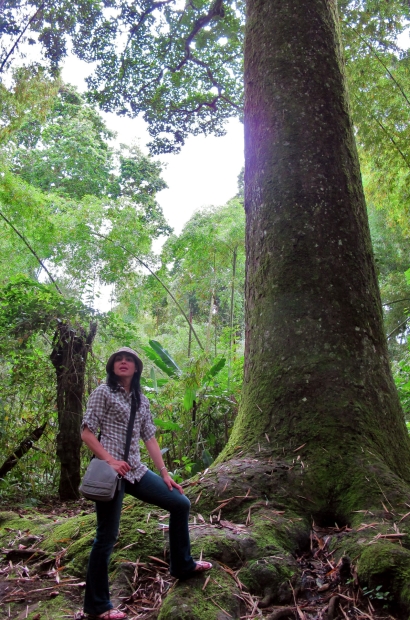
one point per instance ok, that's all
(269, 573)
(140, 536)
(13, 526)
(35, 523)
(187, 600)
(386, 564)
(76, 536)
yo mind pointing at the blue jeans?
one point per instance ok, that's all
(153, 490)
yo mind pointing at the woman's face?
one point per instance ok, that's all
(124, 366)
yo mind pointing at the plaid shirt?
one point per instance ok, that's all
(109, 412)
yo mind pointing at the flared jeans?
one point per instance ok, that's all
(153, 490)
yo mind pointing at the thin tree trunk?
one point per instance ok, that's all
(211, 309)
(69, 356)
(21, 450)
(190, 332)
(231, 313)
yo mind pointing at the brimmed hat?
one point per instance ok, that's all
(110, 363)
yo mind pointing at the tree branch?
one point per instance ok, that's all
(397, 328)
(371, 48)
(21, 450)
(396, 301)
(15, 44)
(31, 250)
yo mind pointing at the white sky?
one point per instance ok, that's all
(204, 173)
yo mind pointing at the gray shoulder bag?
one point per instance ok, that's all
(101, 481)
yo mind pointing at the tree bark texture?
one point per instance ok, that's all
(316, 370)
(69, 356)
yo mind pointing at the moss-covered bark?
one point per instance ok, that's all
(69, 355)
(316, 370)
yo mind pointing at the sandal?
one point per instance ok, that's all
(110, 614)
(201, 566)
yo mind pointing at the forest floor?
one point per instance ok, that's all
(34, 586)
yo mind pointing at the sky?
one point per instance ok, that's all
(204, 173)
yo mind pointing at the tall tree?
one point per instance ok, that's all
(316, 358)
(317, 377)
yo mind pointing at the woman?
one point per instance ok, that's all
(108, 410)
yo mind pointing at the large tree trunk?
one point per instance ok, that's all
(320, 433)
(316, 354)
(69, 356)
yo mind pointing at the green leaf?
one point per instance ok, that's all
(213, 371)
(189, 398)
(154, 379)
(167, 425)
(158, 361)
(165, 356)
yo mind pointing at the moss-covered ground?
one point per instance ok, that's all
(258, 540)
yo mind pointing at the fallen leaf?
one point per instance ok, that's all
(206, 582)
(152, 557)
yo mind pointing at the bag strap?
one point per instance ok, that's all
(130, 425)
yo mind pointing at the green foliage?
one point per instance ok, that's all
(68, 152)
(204, 269)
(194, 410)
(30, 95)
(80, 204)
(28, 307)
(181, 66)
(377, 594)
(171, 366)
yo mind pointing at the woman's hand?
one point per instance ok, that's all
(121, 467)
(171, 483)
(155, 453)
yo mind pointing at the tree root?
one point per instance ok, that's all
(283, 612)
(332, 607)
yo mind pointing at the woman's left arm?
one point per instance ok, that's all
(156, 456)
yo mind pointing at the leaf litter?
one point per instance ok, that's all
(327, 590)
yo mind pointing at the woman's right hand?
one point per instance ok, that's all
(121, 467)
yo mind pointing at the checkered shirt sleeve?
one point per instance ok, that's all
(108, 412)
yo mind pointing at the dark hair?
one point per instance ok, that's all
(114, 384)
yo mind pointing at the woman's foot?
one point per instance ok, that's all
(202, 566)
(110, 614)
